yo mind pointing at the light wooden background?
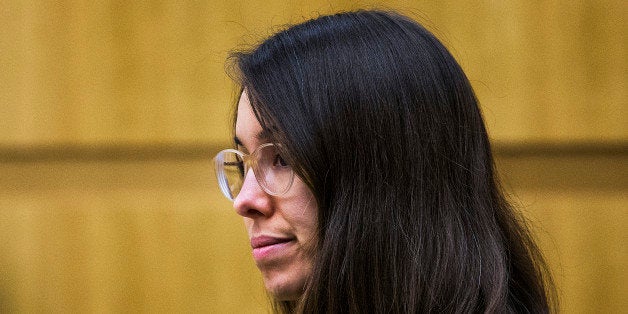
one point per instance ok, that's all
(111, 111)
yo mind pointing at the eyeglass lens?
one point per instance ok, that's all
(271, 171)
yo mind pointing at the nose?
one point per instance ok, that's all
(252, 201)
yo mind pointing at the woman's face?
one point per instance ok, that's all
(282, 229)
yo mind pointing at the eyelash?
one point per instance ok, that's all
(278, 159)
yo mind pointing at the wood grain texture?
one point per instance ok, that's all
(111, 72)
(111, 236)
(111, 111)
(155, 235)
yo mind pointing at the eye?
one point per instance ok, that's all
(278, 161)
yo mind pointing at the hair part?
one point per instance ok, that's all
(381, 123)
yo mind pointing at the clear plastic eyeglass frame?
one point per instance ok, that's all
(269, 168)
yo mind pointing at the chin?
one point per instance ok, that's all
(284, 287)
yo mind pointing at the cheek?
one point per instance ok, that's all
(304, 214)
(248, 225)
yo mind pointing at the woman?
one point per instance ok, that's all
(372, 187)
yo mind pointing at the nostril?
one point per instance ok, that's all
(248, 211)
(251, 205)
(253, 213)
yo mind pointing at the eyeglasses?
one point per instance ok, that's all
(272, 172)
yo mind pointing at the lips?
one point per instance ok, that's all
(266, 248)
(262, 241)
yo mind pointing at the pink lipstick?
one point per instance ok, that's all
(266, 247)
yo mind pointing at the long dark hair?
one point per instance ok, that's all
(382, 124)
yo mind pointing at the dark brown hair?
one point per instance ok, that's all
(382, 124)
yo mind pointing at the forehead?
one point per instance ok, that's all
(247, 128)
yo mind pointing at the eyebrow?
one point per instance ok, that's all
(237, 141)
(262, 136)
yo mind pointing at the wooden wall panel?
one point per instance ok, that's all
(122, 236)
(577, 206)
(111, 110)
(107, 72)
(76, 72)
(154, 235)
